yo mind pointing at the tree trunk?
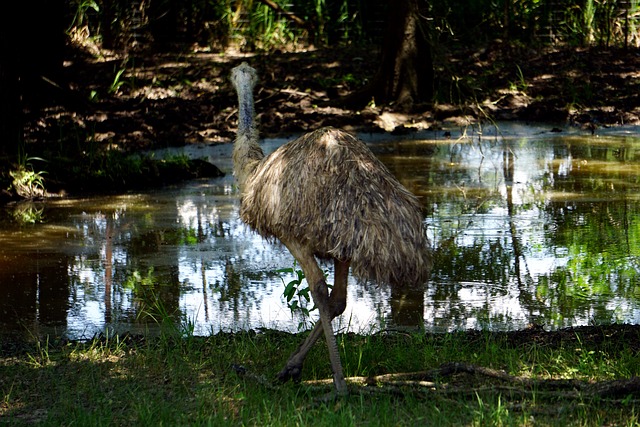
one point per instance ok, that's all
(405, 74)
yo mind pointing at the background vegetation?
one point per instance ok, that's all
(283, 24)
(39, 59)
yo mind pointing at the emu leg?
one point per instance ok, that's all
(337, 303)
(320, 294)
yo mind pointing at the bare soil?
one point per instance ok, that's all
(173, 99)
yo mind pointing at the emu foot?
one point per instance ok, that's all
(290, 372)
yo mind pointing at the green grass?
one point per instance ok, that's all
(178, 379)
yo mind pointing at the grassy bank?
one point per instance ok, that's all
(585, 376)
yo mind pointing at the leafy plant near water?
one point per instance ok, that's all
(27, 182)
(297, 293)
(151, 305)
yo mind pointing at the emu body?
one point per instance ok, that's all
(326, 195)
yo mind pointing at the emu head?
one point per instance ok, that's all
(244, 77)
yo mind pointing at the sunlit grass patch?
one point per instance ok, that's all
(472, 378)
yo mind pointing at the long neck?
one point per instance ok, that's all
(246, 109)
(246, 151)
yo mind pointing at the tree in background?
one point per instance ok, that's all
(405, 74)
(411, 37)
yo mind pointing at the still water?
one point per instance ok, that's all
(528, 226)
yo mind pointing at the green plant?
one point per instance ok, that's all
(82, 8)
(297, 293)
(151, 305)
(521, 85)
(26, 181)
(117, 81)
(269, 30)
(41, 358)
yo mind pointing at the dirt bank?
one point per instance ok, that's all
(175, 99)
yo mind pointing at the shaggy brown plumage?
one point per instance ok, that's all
(328, 190)
(326, 195)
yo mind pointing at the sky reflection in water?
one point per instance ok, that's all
(528, 226)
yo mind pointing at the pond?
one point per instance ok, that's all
(529, 226)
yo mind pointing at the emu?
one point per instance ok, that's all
(325, 195)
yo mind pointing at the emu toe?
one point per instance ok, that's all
(290, 372)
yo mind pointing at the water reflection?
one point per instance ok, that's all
(528, 226)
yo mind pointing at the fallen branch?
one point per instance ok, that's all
(515, 385)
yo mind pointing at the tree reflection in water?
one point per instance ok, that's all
(527, 229)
